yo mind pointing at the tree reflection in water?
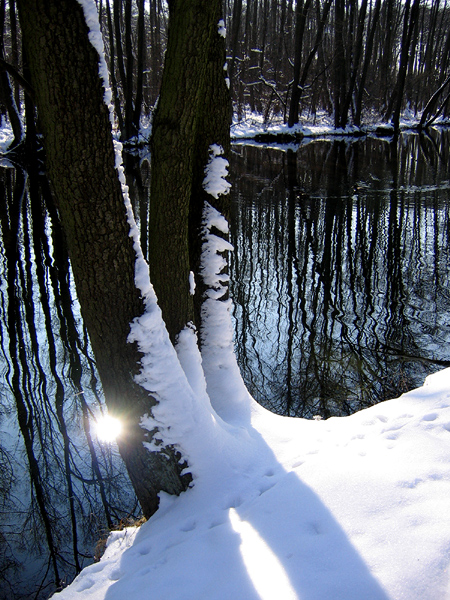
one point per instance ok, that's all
(340, 270)
(59, 487)
(339, 281)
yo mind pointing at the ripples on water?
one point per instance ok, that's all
(340, 272)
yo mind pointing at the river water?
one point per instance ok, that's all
(340, 285)
(341, 270)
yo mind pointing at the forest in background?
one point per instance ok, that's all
(356, 61)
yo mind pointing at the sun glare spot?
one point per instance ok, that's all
(263, 566)
(108, 428)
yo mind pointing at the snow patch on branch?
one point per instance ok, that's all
(221, 28)
(226, 390)
(227, 79)
(213, 257)
(216, 171)
(191, 283)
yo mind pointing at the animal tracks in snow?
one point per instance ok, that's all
(188, 525)
(430, 417)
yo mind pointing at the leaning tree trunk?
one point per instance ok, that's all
(81, 166)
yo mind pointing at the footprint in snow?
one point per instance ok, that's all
(265, 486)
(115, 575)
(189, 525)
(430, 417)
(86, 584)
(298, 464)
(217, 523)
(233, 502)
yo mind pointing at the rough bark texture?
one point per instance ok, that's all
(193, 112)
(80, 164)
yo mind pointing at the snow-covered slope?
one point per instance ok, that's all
(351, 508)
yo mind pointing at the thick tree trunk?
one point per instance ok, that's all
(193, 113)
(80, 162)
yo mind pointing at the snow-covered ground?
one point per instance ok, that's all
(351, 508)
(319, 125)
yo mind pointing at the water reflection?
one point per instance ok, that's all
(340, 271)
(59, 487)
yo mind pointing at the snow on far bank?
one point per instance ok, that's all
(251, 125)
(351, 508)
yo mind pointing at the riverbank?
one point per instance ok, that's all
(351, 508)
(252, 127)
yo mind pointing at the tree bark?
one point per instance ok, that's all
(80, 162)
(300, 21)
(193, 112)
(339, 62)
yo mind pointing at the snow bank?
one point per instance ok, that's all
(347, 508)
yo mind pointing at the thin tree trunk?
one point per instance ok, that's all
(339, 65)
(431, 104)
(395, 103)
(112, 68)
(367, 59)
(309, 60)
(6, 90)
(139, 66)
(128, 85)
(356, 61)
(301, 14)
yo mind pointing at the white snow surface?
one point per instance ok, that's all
(351, 508)
(216, 171)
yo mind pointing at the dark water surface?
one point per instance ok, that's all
(340, 282)
(59, 486)
(341, 270)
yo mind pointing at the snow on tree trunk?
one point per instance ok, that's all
(81, 163)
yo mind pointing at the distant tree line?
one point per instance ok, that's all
(353, 60)
(348, 58)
